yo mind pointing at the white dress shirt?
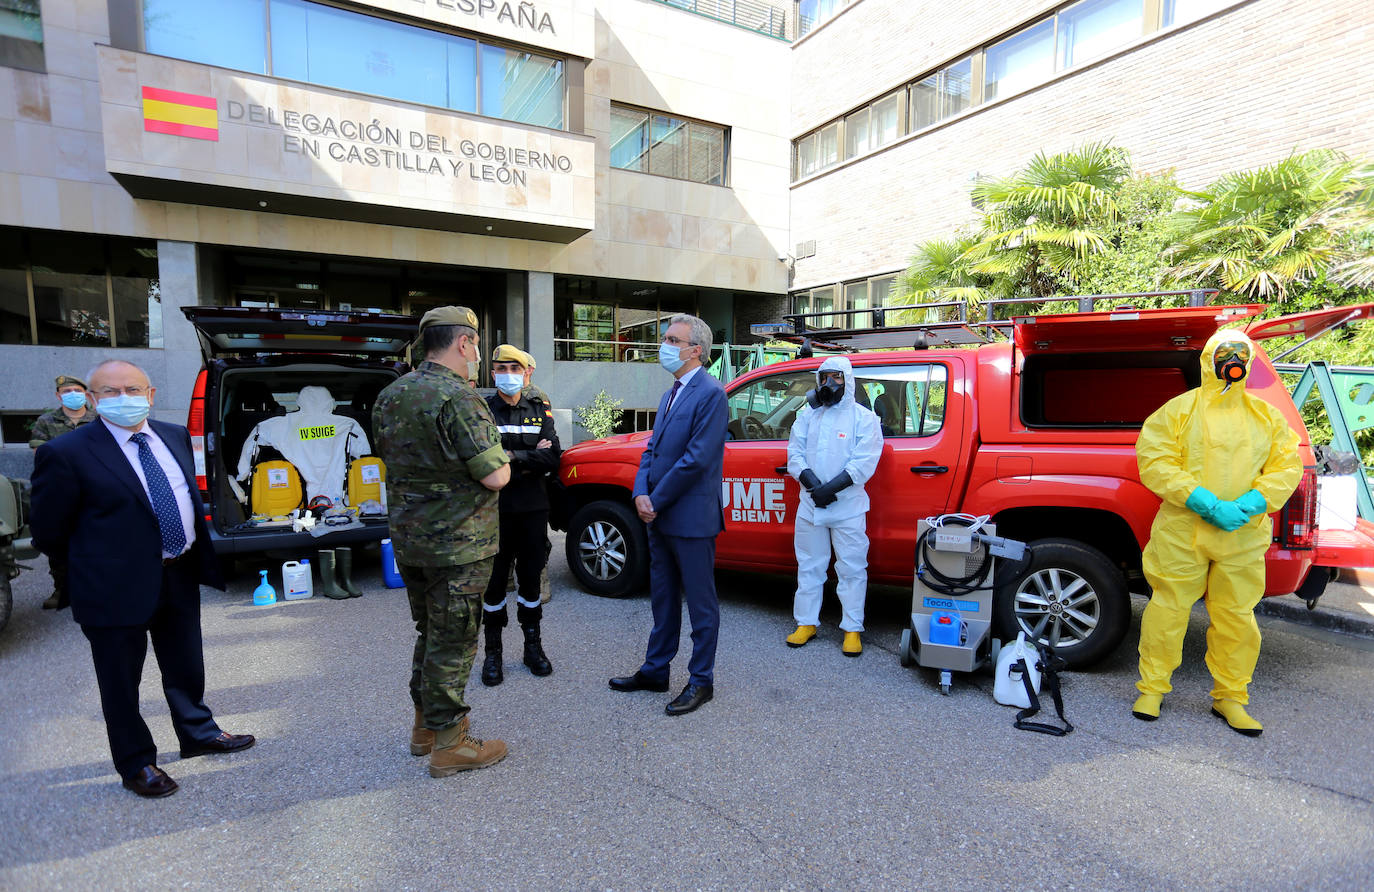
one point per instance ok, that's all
(180, 489)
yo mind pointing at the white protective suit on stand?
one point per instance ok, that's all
(827, 441)
(314, 439)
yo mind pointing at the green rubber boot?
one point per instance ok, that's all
(329, 586)
(343, 560)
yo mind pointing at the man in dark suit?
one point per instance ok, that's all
(118, 499)
(677, 494)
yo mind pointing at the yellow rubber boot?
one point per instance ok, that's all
(456, 750)
(852, 646)
(421, 738)
(1237, 717)
(801, 636)
(1146, 707)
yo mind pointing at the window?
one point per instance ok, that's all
(335, 47)
(819, 150)
(21, 35)
(227, 33)
(14, 291)
(873, 126)
(811, 13)
(941, 95)
(1094, 28)
(909, 400)
(1177, 12)
(864, 294)
(764, 409)
(671, 147)
(1020, 61)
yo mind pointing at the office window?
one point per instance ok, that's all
(1177, 12)
(334, 47)
(1020, 61)
(629, 138)
(819, 150)
(14, 290)
(941, 95)
(668, 146)
(137, 294)
(337, 48)
(856, 133)
(228, 33)
(520, 86)
(882, 291)
(69, 289)
(21, 35)
(1094, 28)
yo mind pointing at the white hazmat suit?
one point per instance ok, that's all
(828, 441)
(314, 439)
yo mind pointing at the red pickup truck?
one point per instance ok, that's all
(1038, 431)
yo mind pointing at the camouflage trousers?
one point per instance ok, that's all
(446, 604)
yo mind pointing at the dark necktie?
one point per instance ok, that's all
(164, 502)
(672, 395)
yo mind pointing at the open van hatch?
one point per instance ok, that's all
(245, 331)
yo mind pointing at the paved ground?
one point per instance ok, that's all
(808, 771)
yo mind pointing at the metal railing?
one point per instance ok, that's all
(765, 18)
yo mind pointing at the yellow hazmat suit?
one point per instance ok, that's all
(1221, 460)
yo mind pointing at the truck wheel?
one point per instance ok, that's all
(1071, 597)
(607, 549)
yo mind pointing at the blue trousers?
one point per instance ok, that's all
(681, 566)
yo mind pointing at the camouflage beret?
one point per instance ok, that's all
(507, 353)
(448, 316)
(529, 360)
(69, 380)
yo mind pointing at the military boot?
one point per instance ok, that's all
(421, 738)
(492, 675)
(456, 750)
(343, 561)
(534, 652)
(329, 587)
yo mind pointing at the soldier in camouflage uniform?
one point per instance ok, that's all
(445, 465)
(75, 411)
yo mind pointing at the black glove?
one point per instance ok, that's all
(826, 493)
(808, 479)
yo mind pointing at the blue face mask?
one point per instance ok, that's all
(124, 410)
(509, 384)
(670, 357)
(74, 399)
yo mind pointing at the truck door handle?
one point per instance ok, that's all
(781, 469)
(930, 469)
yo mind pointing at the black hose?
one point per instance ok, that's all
(950, 585)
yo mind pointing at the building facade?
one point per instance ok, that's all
(577, 170)
(574, 170)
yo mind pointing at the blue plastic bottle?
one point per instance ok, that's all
(264, 595)
(390, 574)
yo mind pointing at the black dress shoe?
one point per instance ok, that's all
(151, 782)
(638, 682)
(691, 697)
(224, 743)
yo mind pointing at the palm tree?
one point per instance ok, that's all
(1039, 227)
(1257, 234)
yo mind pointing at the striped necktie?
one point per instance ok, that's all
(164, 502)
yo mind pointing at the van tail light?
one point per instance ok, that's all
(1298, 519)
(195, 425)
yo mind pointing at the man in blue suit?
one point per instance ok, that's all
(677, 494)
(118, 499)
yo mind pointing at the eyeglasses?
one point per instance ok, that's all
(678, 342)
(116, 391)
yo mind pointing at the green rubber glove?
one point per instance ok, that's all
(1253, 504)
(1228, 516)
(1201, 502)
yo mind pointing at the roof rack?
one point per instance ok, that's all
(820, 329)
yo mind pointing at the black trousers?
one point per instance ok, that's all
(524, 542)
(119, 652)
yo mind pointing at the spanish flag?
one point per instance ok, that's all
(180, 114)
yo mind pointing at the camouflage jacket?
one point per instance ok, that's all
(532, 392)
(438, 440)
(54, 423)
